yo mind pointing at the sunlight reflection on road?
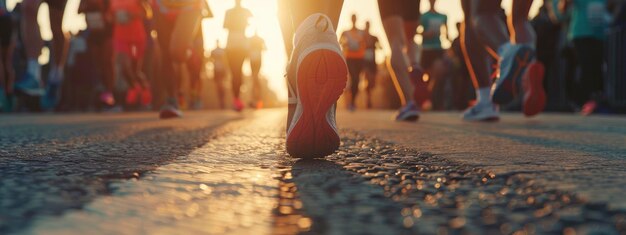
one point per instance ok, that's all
(230, 185)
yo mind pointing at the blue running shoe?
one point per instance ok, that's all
(408, 113)
(53, 90)
(514, 59)
(51, 98)
(29, 85)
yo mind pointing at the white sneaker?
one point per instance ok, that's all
(481, 112)
(317, 75)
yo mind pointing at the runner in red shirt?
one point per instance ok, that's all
(129, 43)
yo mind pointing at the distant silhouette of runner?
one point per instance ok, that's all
(370, 67)
(236, 22)
(220, 71)
(257, 46)
(354, 46)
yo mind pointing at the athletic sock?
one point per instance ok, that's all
(56, 74)
(483, 95)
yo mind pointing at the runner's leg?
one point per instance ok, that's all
(164, 29)
(236, 57)
(411, 17)
(397, 63)
(487, 24)
(355, 66)
(59, 42)
(478, 63)
(255, 67)
(519, 26)
(194, 66)
(3, 73)
(476, 57)
(370, 76)
(397, 21)
(183, 32)
(30, 29)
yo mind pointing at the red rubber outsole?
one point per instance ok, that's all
(322, 77)
(534, 94)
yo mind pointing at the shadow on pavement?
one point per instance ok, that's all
(34, 186)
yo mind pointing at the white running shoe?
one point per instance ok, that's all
(317, 75)
(481, 112)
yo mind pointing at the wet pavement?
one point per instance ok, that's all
(223, 173)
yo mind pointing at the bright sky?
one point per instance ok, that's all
(266, 23)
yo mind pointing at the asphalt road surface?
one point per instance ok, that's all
(225, 173)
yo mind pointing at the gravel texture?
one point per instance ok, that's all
(442, 197)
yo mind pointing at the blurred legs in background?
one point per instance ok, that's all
(400, 21)
(31, 83)
(176, 35)
(486, 40)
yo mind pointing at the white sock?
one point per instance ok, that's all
(33, 67)
(483, 95)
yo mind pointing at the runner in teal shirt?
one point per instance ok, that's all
(432, 22)
(590, 18)
(432, 51)
(587, 32)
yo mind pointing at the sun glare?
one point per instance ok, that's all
(265, 23)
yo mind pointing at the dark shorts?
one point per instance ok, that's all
(409, 10)
(56, 4)
(429, 56)
(474, 7)
(6, 30)
(370, 66)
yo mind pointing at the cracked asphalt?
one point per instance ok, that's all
(225, 173)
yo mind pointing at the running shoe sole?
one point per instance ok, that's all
(506, 90)
(321, 79)
(169, 114)
(534, 94)
(483, 117)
